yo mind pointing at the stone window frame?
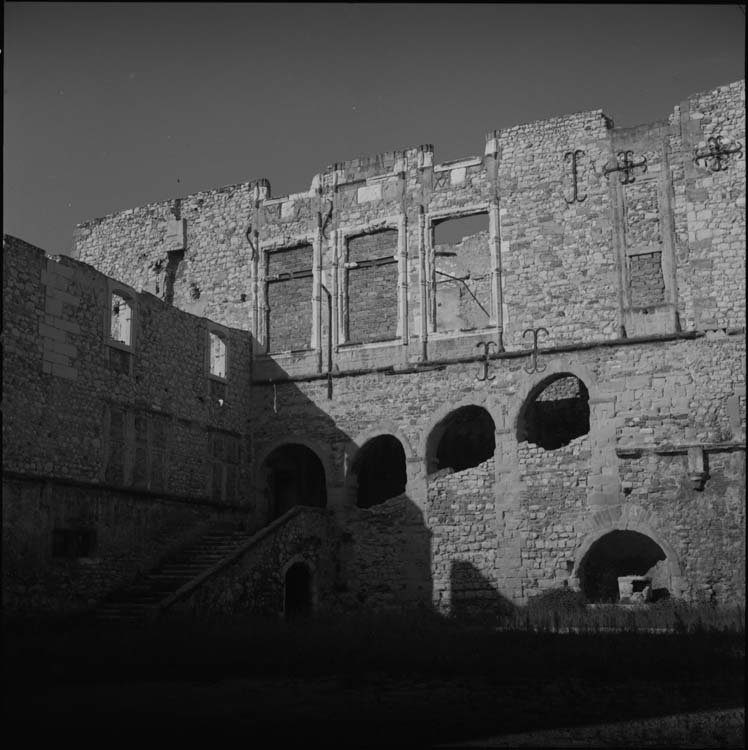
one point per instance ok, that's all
(226, 493)
(221, 332)
(666, 247)
(438, 216)
(131, 296)
(262, 324)
(340, 263)
(128, 447)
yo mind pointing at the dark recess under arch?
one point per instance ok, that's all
(380, 471)
(295, 476)
(464, 438)
(556, 412)
(618, 553)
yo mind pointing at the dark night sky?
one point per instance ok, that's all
(110, 106)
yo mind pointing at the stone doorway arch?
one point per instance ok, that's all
(626, 552)
(297, 591)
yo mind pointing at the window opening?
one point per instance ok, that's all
(288, 296)
(217, 355)
(556, 414)
(295, 476)
(121, 320)
(461, 285)
(380, 471)
(464, 439)
(371, 275)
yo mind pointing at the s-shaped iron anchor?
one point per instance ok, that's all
(534, 367)
(487, 352)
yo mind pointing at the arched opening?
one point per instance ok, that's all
(464, 438)
(618, 554)
(380, 471)
(556, 412)
(297, 592)
(295, 476)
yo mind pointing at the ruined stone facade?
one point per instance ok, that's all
(355, 327)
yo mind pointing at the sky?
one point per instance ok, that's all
(109, 106)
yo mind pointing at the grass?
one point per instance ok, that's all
(642, 640)
(380, 677)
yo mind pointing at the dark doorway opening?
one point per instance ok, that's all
(620, 553)
(557, 412)
(295, 476)
(463, 439)
(297, 599)
(380, 471)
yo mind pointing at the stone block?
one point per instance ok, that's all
(63, 371)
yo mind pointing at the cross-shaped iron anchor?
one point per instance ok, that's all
(626, 165)
(534, 367)
(487, 352)
(717, 154)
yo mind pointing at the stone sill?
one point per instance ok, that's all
(636, 451)
(121, 346)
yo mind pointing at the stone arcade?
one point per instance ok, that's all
(415, 384)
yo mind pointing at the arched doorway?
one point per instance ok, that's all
(555, 412)
(623, 553)
(380, 471)
(465, 438)
(294, 476)
(297, 591)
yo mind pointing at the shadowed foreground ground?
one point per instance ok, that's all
(387, 683)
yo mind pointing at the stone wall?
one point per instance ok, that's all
(130, 533)
(625, 245)
(137, 420)
(192, 252)
(253, 583)
(539, 513)
(593, 232)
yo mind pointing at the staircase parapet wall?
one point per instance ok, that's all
(305, 530)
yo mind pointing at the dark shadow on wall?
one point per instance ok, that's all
(474, 599)
(378, 553)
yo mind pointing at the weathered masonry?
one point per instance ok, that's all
(441, 385)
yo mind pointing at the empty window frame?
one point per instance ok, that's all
(556, 412)
(371, 307)
(120, 319)
(217, 355)
(288, 298)
(461, 279)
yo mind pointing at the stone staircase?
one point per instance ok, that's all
(138, 602)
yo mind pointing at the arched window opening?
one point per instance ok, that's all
(295, 476)
(621, 554)
(380, 470)
(297, 592)
(463, 439)
(555, 413)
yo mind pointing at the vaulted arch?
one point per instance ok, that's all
(379, 470)
(626, 547)
(464, 438)
(555, 412)
(294, 475)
